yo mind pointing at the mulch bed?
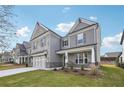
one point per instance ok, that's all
(82, 73)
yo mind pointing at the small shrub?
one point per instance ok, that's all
(75, 70)
(118, 64)
(26, 65)
(54, 69)
(81, 73)
(82, 67)
(66, 70)
(71, 67)
(94, 70)
(122, 65)
(62, 68)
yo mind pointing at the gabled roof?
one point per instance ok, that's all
(80, 24)
(26, 44)
(21, 46)
(122, 38)
(40, 29)
(22, 49)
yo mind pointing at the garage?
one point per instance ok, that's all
(39, 62)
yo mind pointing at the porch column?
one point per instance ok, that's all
(92, 55)
(28, 60)
(24, 60)
(21, 60)
(66, 58)
(83, 58)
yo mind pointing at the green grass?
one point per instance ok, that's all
(11, 66)
(113, 76)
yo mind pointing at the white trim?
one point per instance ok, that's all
(94, 32)
(92, 55)
(83, 58)
(86, 21)
(78, 58)
(82, 30)
(39, 54)
(66, 58)
(75, 50)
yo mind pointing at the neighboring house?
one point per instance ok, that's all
(81, 45)
(110, 58)
(21, 53)
(121, 56)
(6, 57)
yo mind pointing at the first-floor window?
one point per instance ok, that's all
(79, 58)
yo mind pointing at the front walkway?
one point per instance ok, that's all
(15, 71)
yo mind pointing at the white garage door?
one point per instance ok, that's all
(39, 62)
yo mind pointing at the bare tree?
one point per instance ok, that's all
(7, 28)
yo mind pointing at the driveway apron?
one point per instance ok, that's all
(16, 71)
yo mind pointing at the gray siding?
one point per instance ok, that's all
(54, 46)
(80, 26)
(38, 40)
(90, 39)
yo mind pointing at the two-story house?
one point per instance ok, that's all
(81, 45)
(21, 54)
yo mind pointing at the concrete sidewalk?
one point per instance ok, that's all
(15, 71)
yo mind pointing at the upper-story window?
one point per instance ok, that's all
(81, 38)
(34, 45)
(43, 42)
(65, 43)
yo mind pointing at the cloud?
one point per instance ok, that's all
(93, 17)
(64, 27)
(109, 42)
(23, 31)
(65, 9)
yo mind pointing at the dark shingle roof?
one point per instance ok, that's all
(22, 49)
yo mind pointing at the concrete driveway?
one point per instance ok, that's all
(15, 71)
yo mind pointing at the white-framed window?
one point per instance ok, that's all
(43, 42)
(81, 38)
(65, 43)
(79, 58)
(34, 45)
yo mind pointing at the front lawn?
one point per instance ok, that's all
(113, 76)
(6, 66)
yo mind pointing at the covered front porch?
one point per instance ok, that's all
(23, 59)
(80, 56)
